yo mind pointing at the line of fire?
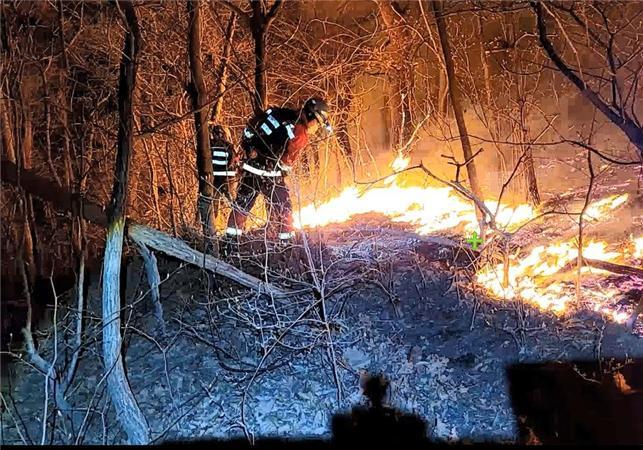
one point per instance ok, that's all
(321, 222)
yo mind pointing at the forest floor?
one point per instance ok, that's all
(235, 364)
(444, 350)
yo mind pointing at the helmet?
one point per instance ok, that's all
(317, 109)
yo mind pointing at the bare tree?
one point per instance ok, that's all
(258, 23)
(198, 94)
(224, 69)
(399, 73)
(457, 101)
(616, 109)
(127, 410)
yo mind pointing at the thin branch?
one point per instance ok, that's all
(244, 16)
(633, 132)
(274, 9)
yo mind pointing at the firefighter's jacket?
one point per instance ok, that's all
(222, 157)
(273, 140)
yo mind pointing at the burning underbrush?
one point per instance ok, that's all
(396, 289)
(527, 255)
(387, 299)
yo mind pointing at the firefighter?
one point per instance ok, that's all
(223, 165)
(272, 141)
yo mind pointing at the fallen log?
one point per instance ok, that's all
(614, 268)
(61, 199)
(65, 201)
(619, 269)
(176, 248)
(568, 271)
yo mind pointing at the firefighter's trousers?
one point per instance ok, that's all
(221, 185)
(278, 204)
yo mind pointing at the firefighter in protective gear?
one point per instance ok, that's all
(272, 141)
(223, 165)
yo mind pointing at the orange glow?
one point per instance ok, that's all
(638, 247)
(433, 209)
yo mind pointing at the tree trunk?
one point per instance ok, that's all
(489, 109)
(28, 234)
(47, 111)
(443, 95)
(170, 180)
(261, 82)
(400, 112)
(155, 193)
(399, 76)
(457, 102)
(222, 77)
(198, 95)
(532, 181)
(156, 240)
(128, 412)
(5, 124)
(154, 280)
(343, 136)
(487, 78)
(78, 318)
(532, 193)
(258, 24)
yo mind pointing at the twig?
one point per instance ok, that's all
(17, 425)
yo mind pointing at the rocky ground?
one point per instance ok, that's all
(234, 364)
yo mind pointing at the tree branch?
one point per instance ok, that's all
(241, 14)
(631, 130)
(273, 12)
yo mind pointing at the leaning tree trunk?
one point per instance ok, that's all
(64, 201)
(457, 101)
(630, 127)
(222, 76)
(198, 95)
(127, 410)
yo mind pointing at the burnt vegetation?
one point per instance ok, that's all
(123, 321)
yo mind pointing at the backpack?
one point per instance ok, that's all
(268, 133)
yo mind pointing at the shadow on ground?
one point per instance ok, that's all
(578, 402)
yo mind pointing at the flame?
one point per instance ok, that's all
(638, 247)
(429, 209)
(400, 163)
(432, 209)
(598, 209)
(526, 276)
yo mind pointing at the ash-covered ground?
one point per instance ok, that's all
(234, 364)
